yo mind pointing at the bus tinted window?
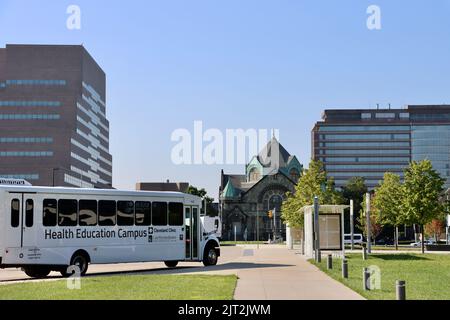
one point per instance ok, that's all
(67, 213)
(143, 213)
(49, 213)
(125, 213)
(29, 212)
(176, 214)
(15, 209)
(159, 213)
(87, 213)
(106, 213)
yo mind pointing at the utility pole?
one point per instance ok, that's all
(318, 256)
(352, 225)
(369, 240)
(257, 226)
(274, 224)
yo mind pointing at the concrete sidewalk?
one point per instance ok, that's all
(280, 274)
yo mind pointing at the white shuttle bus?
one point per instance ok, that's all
(45, 229)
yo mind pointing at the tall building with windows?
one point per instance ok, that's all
(367, 143)
(53, 126)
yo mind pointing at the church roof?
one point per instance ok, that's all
(229, 191)
(274, 151)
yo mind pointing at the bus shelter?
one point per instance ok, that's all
(331, 229)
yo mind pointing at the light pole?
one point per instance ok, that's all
(352, 226)
(369, 240)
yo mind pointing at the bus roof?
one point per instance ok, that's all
(104, 192)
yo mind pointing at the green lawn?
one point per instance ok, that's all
(145, 287)
(427, 276)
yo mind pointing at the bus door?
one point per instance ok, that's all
(191, 225)
(21, 219)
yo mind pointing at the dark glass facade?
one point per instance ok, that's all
(368, 143)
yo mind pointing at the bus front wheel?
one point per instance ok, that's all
(171, 264)
(210, 256)
(37, 272)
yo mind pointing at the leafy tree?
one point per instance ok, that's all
(387, 202)
(422, 189)
(202, 193)
(313, 182)
(375, 226)
(355, 189)
(435, 228)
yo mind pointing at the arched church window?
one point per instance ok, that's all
(254, 174)
(275, 202)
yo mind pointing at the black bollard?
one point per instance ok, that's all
(345, 269)
(366, 279)
(329, 262)
(401, 289)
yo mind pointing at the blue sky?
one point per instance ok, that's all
(240, 64)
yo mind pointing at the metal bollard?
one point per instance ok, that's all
(345, 269)
(366, 279)
(401, 289)
(329, 262)
(364, 253)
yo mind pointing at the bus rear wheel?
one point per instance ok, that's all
(37, 272)
(171, 264)
(210, 256)
(78, 263)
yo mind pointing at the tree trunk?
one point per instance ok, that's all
(396, 238)
(423, 238)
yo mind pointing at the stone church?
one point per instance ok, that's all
(246, 199)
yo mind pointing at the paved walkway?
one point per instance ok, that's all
(284, 275)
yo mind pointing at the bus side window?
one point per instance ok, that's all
(67, 213)
(87, 213)
(49, 217)
(106, 213)
(125, 213)
(176, 214)
(143, 213)
(15, 213)
(29, 213)
(159, 213)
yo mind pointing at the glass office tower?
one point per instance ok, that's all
(368, 143)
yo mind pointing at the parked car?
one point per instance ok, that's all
(419, 244)
(357, 238)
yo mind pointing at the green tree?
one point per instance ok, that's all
(355, 189)
(421, 194)
(387, 202)
(313, 182)
(202, 193)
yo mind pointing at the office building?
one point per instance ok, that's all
(370, 142)
(53, 126)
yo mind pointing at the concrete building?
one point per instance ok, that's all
(370, 142)
(53, 126)
(245, 199)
